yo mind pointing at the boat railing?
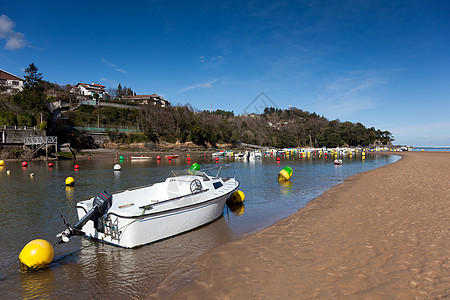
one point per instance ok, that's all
(149, 206)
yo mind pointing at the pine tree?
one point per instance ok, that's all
(33, 79)
(32, 97)
(119, 91)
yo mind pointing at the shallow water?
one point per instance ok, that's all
(31, 209)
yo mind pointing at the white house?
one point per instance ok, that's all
(90, 89)
(9, 83)
(147, 99)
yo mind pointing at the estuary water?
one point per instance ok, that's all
(31, 208)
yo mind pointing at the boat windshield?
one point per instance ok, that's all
(177, 173)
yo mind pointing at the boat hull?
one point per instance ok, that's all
(165, 219)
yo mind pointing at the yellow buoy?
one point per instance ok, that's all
(36, 255)
(2, 163)
(236, 197)
(70, 181)
(8, 172)
(285, 174)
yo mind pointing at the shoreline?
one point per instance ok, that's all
(383, 233)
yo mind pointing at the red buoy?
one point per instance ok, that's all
(50, 165)
(188, 159)
(24, 164)
(76, 167)
(158, 157)
(217, 159)
(278, 159)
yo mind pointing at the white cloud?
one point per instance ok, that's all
(14, 40)
(121, 70)
(113, 66)
(214, 59)
(197, 86)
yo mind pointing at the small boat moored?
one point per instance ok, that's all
(140, 157)
(169, 157)
(142, 215)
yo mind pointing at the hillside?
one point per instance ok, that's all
(274, 128)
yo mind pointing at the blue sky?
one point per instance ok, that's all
(382, 63)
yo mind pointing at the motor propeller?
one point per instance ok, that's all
(100, 206)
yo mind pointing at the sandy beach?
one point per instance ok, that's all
(382, 234)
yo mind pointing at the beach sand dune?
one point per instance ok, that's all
(382, 234)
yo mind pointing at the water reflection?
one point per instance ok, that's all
(70, 194)
(117, 175)
(237, 209)
(285, 187)
(42, 283)
(131, 273)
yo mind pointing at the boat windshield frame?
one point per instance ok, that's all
(187, 172)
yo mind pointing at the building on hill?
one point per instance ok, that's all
(147, 99)
(10, 83)
(90, 89)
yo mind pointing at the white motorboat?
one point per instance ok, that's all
(139, 158)
(241, 155)
(255, 155)
(147, 214)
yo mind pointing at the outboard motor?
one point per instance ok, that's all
(100, 206)
(102, 202)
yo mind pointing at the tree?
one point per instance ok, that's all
(96, 96)
(113, 93)
(119, 91)
(7, 118)
(32, 97)
(33, 79)
(26, 119)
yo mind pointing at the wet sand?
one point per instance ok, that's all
(382, 234)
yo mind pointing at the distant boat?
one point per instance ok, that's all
(244, 155)
(140, 157)
(171, 156)
(255, 154)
